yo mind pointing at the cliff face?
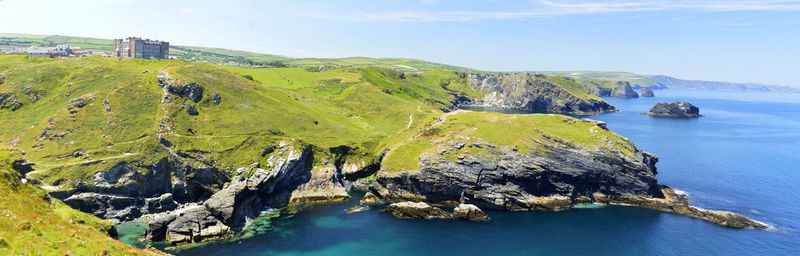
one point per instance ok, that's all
(618, 89)
(500, 177)
(539, 170)
(533, 92)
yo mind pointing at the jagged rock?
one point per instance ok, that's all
(216, 98)
(246, 198)
(163, 203)
(469, 212)
(195, 225)
(105, 206)
(157, 229)
(9, 101)
(623, 90)
(675, 109)
(324, 186)
(647, 92)
(504, 179)
(419, 210)
(191, 110)
(531, 92)
(191, 91)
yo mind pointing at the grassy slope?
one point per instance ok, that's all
(368, 108)
(218, 55)
(31, 225)
(525, 133)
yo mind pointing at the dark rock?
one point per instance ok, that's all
(191, 91)
(22, 166)
(216, 98)
(9, 101)
(162, 203)
(105, 206)
(157, 229)
(191, 110)
(419, 210)
(503, 179)
(469, 212)
(647, 92)
(195, 225)
(530, 92)
(675, 109)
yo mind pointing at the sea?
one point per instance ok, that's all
(742, 156)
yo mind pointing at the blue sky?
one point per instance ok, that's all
(742, 41)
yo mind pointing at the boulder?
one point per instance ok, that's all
(191, 110)
(647, 92)
(157, 229)
(216, 98)
(195, 225)
(191, 91)
(418, 210)
(675, 109)
(469, 212)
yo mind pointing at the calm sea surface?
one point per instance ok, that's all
(743, 156)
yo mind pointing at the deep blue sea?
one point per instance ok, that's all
(743, 156)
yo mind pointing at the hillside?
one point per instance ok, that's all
(32, 223)
(217, 55)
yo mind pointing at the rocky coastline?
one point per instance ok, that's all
(530, 92)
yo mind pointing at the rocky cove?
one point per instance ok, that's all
(190, 204)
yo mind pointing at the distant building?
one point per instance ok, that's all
(49, 52)
(134, 47)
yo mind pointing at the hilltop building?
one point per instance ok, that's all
(134, 47)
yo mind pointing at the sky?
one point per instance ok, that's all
(719, 40)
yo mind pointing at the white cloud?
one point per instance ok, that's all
(548, 8)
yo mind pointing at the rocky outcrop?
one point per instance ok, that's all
(191, 109)
(623, 90)
(679, 203)
(248, 194)
(216, 98)
(9, 101)
(556, 177)
(675, 109)
(531, 92)
(325, 185)
(504, 179)
(421, 210)
(417, 210)
(191, 91)
(469, 212)
(647, 92)
(619, 89)
(195, 225)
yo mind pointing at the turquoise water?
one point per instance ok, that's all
(743, 156)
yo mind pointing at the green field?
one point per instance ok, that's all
(218, 55)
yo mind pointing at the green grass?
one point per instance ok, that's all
(528, 134)
(367, 108)
(218, 55)
(31, 223)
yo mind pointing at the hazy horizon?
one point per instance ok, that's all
(731, 41)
